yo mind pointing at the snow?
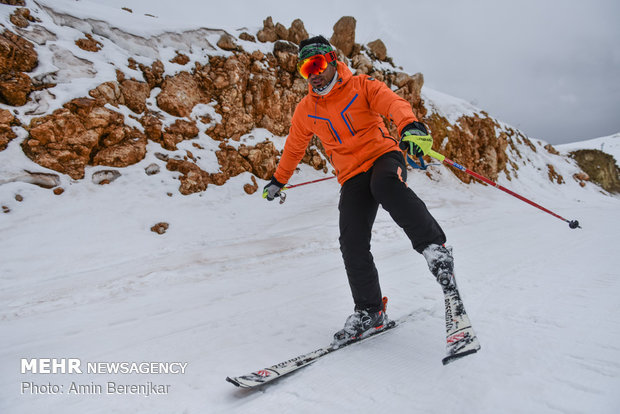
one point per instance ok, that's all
(237, 284)
(447, 106)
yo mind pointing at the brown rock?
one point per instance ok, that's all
(247, 37)
(227, 80)
(154, 74)
(7, 120)
(152, 127)
(15, 88)
(180, 59)
(89, 44)
(297, 32)
(409, 87)
(120, 75)
(179, 131)
(362, 63)
(315, 155)
(581, 178)
(179, 94)
(22, 18)
(13, 2)
(193, 179)
(232, 163)
(135, 94)
(227, 42)
(83, 133)
(262, 159)
(281, 31)
(160, 228)
(108, 93)
(132, 64)
(551, 150)
(553, 175)
(17, 55)
(344, 35)
(268, 32)
(251, 188)
(378, 49)
(286, 53)
(130, 149)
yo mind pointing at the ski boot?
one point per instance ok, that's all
(441, 264)
(363, 323)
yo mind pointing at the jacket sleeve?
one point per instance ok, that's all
(387, 103)
(295, 147)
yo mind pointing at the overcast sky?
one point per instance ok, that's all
(549, 67)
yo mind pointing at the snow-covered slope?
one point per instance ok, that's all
(237, 283)
(610, 145)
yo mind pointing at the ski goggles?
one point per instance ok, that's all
(315, 65)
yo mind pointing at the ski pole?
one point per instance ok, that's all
(573, 224)
(308, 182)
(283, 195)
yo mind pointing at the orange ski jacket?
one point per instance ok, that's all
(347, 121)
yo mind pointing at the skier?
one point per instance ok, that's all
(344, 111)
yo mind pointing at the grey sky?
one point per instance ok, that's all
(548, 67)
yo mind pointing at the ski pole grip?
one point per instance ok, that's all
(425, 142)
(436, 155)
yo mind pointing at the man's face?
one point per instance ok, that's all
(322, 79)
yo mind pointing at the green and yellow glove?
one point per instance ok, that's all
(415, 139)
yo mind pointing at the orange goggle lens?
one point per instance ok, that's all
(313, 65)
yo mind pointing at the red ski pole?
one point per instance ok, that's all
(283, 194)
(573, 224)
(308, 182)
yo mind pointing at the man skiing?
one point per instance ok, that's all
(344, 111)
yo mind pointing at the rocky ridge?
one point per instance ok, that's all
(239, 83)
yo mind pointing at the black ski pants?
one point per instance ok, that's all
(384, 184)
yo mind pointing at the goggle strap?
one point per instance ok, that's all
(331, 56)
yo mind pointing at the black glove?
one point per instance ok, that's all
(272, 190)
(414, 128)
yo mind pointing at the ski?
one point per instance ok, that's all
(461, 340)
(276, 371)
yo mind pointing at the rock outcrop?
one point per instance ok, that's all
(83, 133)
(600, 167)
(344, 36)
(474, 141)
(17, 56)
